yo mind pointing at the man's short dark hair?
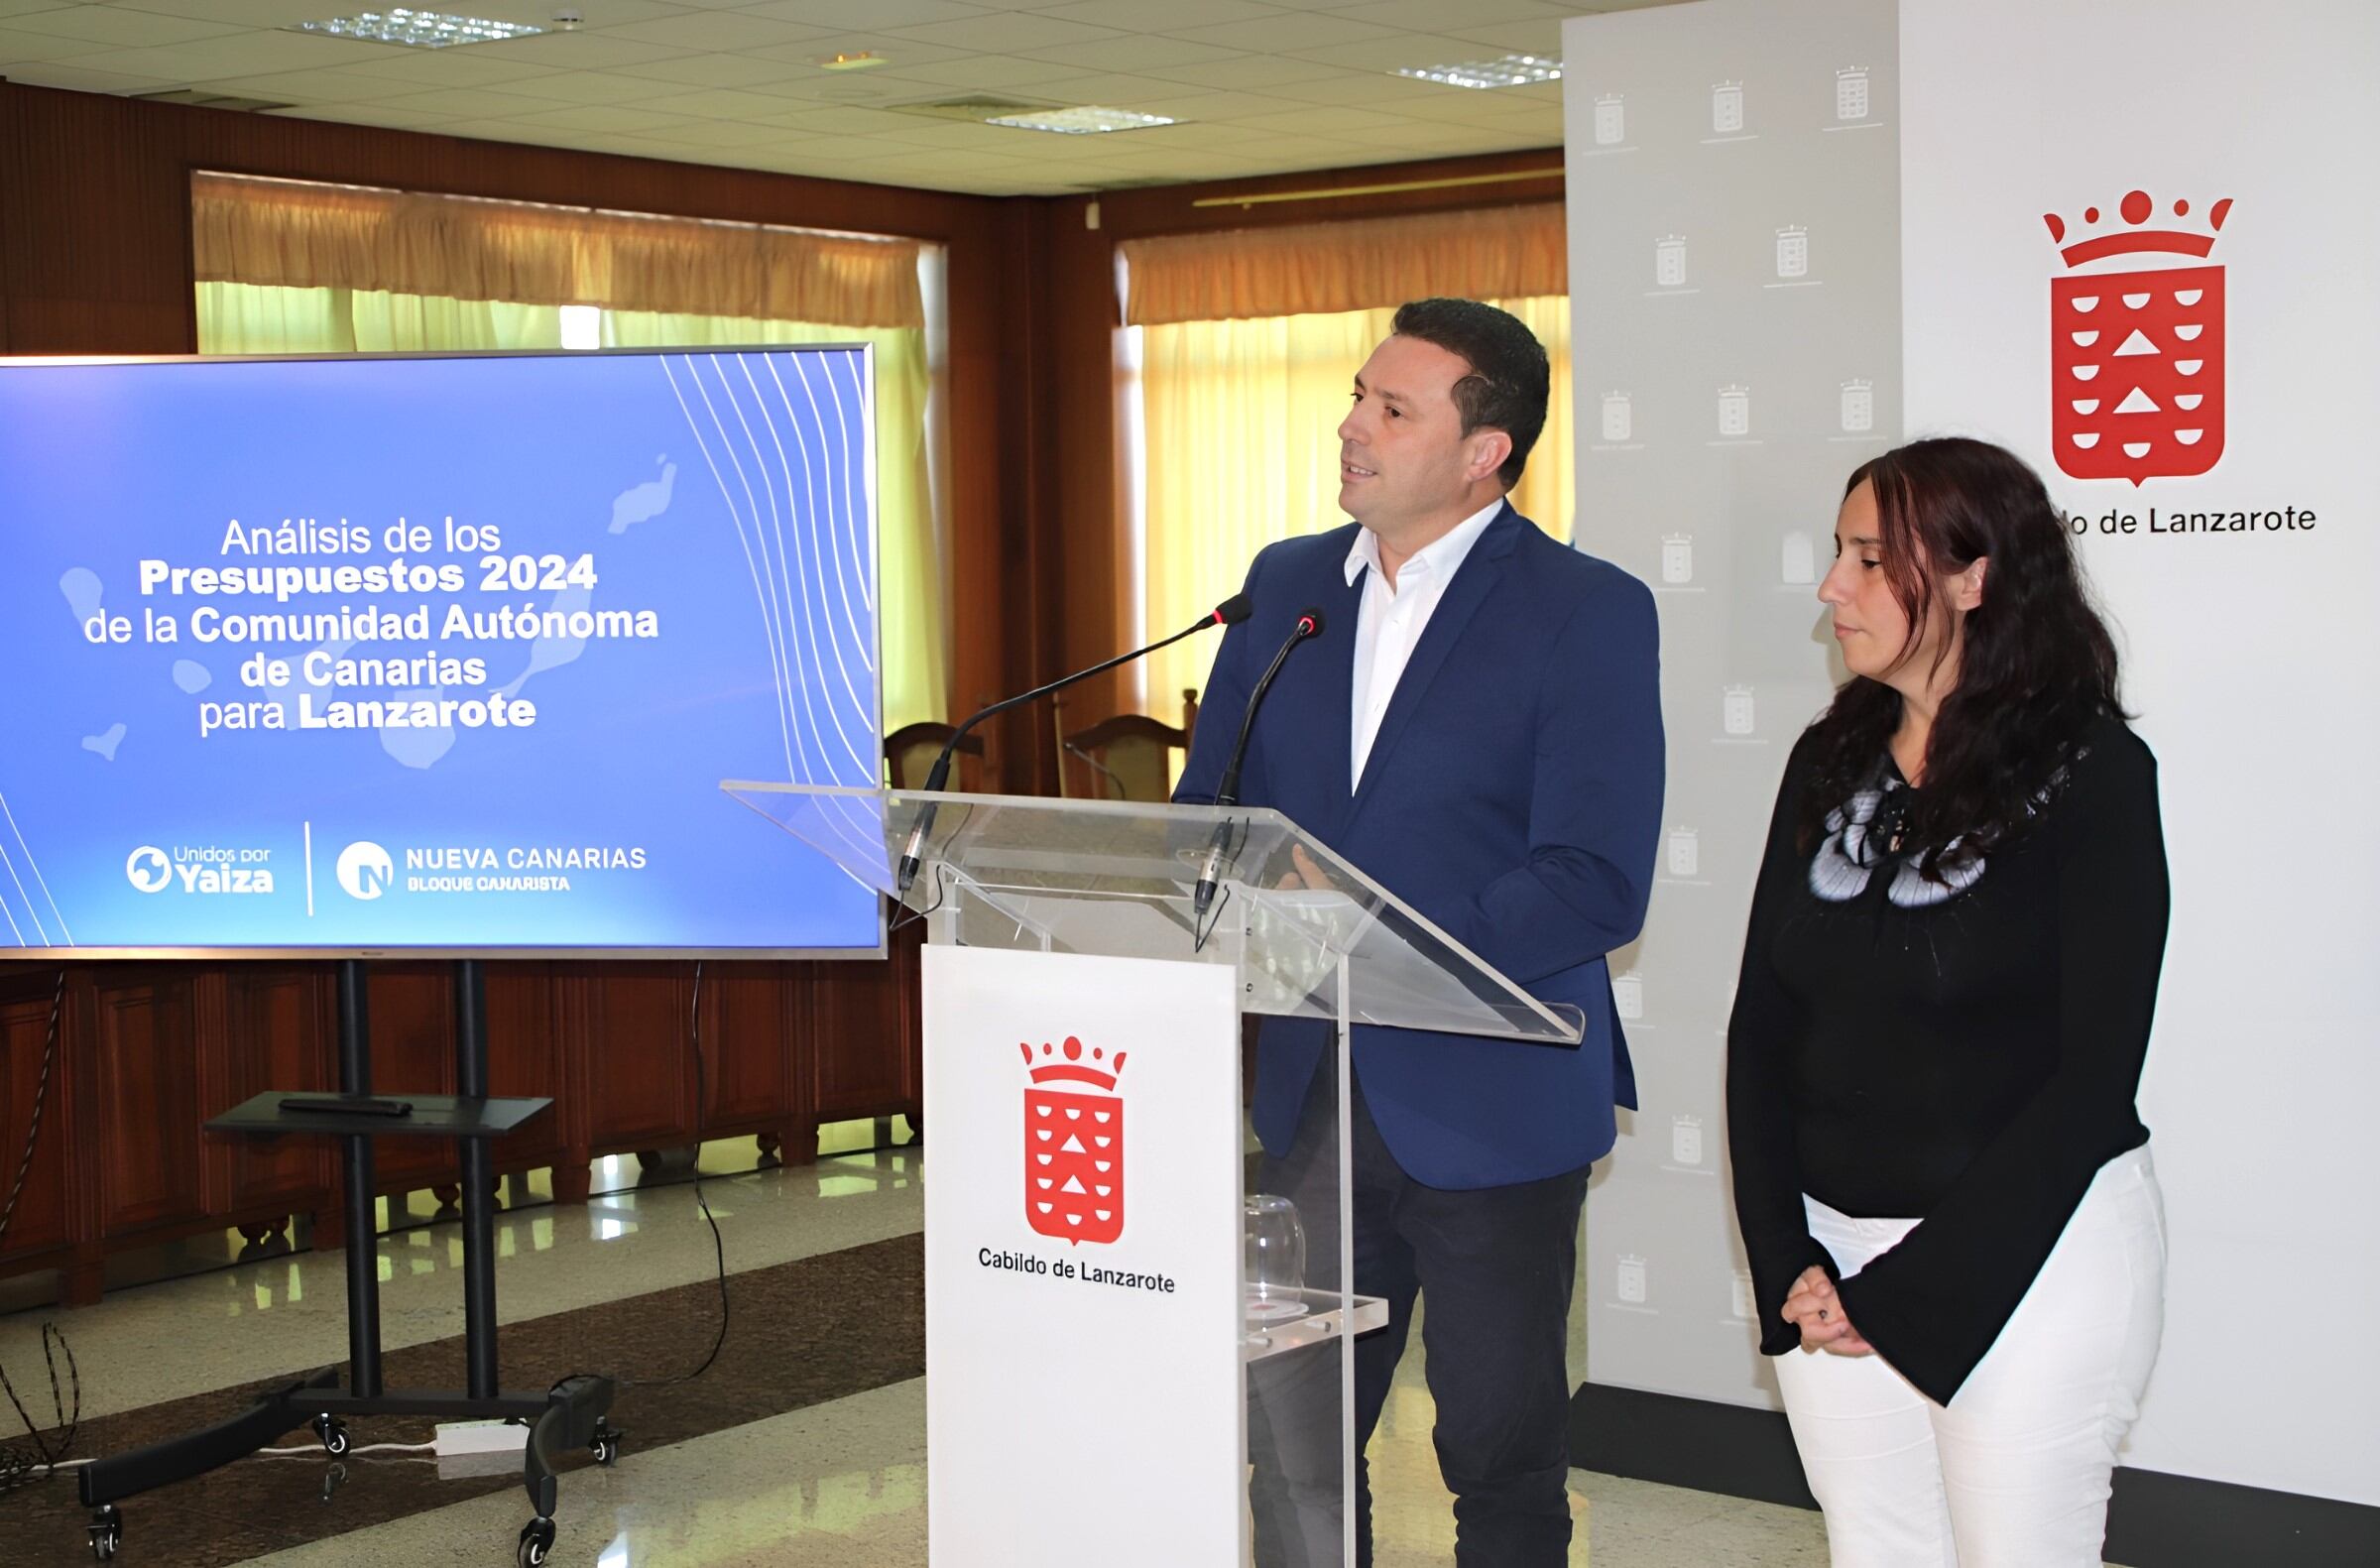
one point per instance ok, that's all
(1509, 377)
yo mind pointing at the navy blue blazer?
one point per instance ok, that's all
(1513, 797)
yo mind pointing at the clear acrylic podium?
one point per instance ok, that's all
(1139, 1331)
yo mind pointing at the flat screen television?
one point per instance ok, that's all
(432, 654)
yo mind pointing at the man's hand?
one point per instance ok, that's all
(1813, 1307)
(1304, 873)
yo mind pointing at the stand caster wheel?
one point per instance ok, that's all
(537, 1542)
(107, 1532)
(333, 1434)
(605, 1445)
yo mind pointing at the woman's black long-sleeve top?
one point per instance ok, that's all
(1964, 1056)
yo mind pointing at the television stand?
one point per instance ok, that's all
(571, 1414)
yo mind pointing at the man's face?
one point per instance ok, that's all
(1402, 454)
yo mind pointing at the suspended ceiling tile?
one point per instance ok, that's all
(235, 55)
(985, 72)
(76, 79)
(600, 120)
(1519, 37)
(592, 87)
(718, 31)
(1429, 16)
(892, 46)
(379, 114)
(1209, 108)
(1257, 72)
(248, 13)
(718, 104)
(118, 29)
(1134, 53)
(1204, 136)
(448, 67)
(969, 158)
(864, 14)
(1371, 89)
(1108, 89)
(1015, 33)
(471, 103)
(1458, 106)
(850, 121)
(326, 88)
(1347, 125)
(1154, 16)
(582, 50)
(817, 144)
(724, 134)
(1284, 34)
(1399, 50)
(710, 70)
(957, 136)
(21, 48)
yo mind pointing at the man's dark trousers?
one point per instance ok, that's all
(1498, 1266)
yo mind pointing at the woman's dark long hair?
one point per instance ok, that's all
(2035, 665)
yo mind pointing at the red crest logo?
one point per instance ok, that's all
(2136, 357)
(1074, 1145)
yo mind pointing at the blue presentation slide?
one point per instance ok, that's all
(433, 653)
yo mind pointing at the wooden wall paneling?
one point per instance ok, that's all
(986, 389)
(746, 1058)
(634, 1076)
(272, 1028)
(866, 1033)
(526, 1056)
(148, 1112)
(1092, 559)
(412, 1007)
(43, 1225)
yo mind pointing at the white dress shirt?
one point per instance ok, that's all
(1391, 619)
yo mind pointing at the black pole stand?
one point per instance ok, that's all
(569, 1415)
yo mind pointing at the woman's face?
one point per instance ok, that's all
(1869, 623)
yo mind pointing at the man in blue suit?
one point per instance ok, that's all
(1478, 727)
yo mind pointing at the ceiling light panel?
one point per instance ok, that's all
(1089, 120)
(1512, 71)
(418, 28)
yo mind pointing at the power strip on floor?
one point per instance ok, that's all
(481, 1437)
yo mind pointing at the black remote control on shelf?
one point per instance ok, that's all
(339, 1105)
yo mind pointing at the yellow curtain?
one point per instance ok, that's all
(1317, 268)
(246, 319)
(303, 234)
(1240, 447)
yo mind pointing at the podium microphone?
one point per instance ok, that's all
(1230, 612)
(1226, 794)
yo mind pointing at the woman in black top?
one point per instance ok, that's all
(1943, 1186)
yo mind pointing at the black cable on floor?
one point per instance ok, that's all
(701, 1199)
(20, 1465)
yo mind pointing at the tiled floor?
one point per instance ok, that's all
(721, 1480)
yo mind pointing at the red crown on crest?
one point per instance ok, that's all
(2137, 210)
(1074, 1066)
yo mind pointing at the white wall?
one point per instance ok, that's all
(2250, 657)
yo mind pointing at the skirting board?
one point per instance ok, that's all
(2155, 1520)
